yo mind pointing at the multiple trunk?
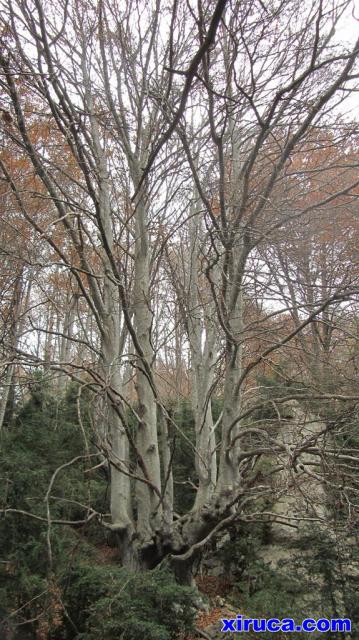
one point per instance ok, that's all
(202, 338)
(113, 115)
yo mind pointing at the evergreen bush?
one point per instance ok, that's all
(109, 602)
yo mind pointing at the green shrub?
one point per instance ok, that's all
(108, 602)
(44, 434)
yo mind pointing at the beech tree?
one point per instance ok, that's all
(319, 257)
(167, 134)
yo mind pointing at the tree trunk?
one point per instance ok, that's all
(201, 329)
(149, 509)
(18, 304)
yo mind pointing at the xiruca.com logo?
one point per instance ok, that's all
(287, 625)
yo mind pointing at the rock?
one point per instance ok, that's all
(214, 631)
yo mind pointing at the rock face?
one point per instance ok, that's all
(293, 568)
(214, 631)
(301, 494)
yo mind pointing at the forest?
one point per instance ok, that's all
(179, 328)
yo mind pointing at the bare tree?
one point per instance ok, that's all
(165, 118)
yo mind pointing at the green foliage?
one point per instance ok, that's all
(44, 435)
(317, 575)
(102, 600)
(334, 568)
(107, 602)
(183, 466)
